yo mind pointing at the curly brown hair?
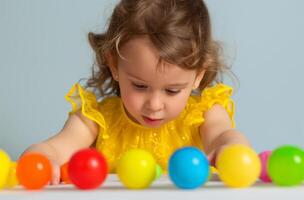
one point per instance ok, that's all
(179, 29)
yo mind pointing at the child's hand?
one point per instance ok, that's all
(212, 156)
(227, 138)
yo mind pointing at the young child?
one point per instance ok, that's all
(156, 85)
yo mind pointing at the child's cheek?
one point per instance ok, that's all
(132, 101)
(177, 105)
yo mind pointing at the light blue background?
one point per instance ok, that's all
(44, 50)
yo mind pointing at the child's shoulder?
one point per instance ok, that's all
(81, 97)
(198, 104)
(217, 91)
(204, 100)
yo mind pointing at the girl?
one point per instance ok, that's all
(155, 87)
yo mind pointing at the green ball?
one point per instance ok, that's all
(159, 172)
(286, 166)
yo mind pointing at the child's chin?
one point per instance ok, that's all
(152, 126)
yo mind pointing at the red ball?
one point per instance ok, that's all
(87, 169)
(34, 171)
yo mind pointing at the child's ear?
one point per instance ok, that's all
(112, 64)
(198, 79)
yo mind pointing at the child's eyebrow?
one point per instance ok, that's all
(133, 76)
(182, 84)
(179, 84)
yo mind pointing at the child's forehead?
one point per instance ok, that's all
(138, 57)
(140, 53)
(149, 72)
(139, 50)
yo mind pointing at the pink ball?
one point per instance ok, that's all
(264, 160)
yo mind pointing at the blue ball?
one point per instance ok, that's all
(188, 168)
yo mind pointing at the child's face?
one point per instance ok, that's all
(152, 95)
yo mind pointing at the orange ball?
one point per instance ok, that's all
(34, 171)
(64, 176)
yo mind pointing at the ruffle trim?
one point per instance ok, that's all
(197, 106)
(87, 102)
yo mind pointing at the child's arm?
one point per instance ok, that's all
(217, 132)
(78, 132)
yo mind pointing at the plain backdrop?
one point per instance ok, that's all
(44, 51)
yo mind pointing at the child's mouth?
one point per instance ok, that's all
(152, 121)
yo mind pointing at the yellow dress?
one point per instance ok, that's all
(118, 133)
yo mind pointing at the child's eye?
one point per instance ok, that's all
(172, 92)
(139, 86)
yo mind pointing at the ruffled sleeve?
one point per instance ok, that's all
(218, 94)
(87, 102)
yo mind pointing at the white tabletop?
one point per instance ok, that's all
(160, 189)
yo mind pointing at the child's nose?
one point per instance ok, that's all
(154, 103)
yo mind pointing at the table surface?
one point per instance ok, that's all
(163, 188)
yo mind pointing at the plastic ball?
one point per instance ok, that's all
(188, 168)
(238, 166)
(64, 176)
(34, 171)
(286, 166)
(136, 169)
(87, 169)
(12, 180)
(159, 172)
(5, 163)
(213, 171)
(264, 156)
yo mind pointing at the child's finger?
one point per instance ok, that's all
(211, 158)
(55, 173)
(215, 153)
(210, 155)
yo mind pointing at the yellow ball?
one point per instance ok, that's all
(238, 166)
(212, 171)
(136, 169)
(12, 180)
(5, 163)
